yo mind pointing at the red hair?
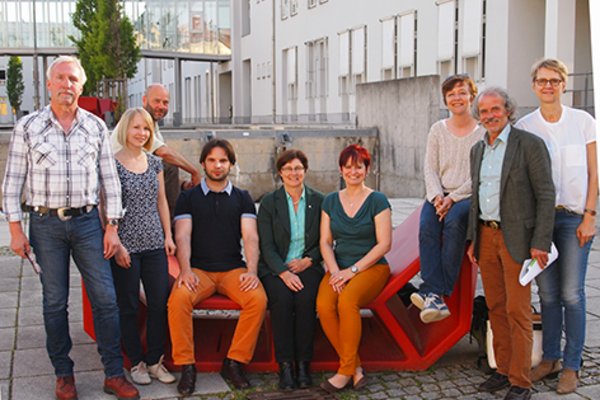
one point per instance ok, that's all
(356, 154)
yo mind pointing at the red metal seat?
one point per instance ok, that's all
(393, 336)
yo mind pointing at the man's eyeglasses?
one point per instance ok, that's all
(544, 82)
(290, 169)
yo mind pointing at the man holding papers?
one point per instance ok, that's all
(511, 219)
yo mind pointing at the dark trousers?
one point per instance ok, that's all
(293, 315)
(172, 186)
(152, 268)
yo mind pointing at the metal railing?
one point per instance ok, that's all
(581, 86)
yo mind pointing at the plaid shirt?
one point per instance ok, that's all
(57, 170)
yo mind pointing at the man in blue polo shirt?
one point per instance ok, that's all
(210, 219)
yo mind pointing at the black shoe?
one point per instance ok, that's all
(187, 383)
(304, 378)
(286, 376)
(518, 393)
(232, 371)
(494, 383)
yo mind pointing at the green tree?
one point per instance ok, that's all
(14, 84)
(107, 47)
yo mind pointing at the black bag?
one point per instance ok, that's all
(479, 332)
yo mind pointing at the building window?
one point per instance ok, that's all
(293, 7)
(407, 44)
(358, 50)
(388, 48)
(472, 38)
(317, 80)
(447, 37)
(312, 3)
(246, 17)
(285, 9)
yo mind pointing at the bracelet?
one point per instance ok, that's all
(590, 211)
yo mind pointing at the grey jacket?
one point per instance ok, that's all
(526, 195)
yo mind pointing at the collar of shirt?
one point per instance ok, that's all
(503, 137)
(205, 189)
(48, 113)
(302, 196)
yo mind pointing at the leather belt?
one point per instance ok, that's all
(491, 224)
(567, 210)
(63, 213)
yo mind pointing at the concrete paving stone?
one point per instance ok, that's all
(379, 396)
(375, 387)
(467, 389)
(407, 382)
(430, 387)
(30, 298)
(446, 384)
(395, 393)
(30, 316)
(591, 336)
(433, 395)
(412, 389)
(554, 396)
(31, 284)
(33, 362)
(11, 267)
(413, 397)
(5, 360)
(9, 284)
(591, 392)
(29, 337)
(4, 389)
(7, 317)
(7, 338)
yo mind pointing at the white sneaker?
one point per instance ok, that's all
(418, 299)
(139, 374)
(435, 309)
(158, 371)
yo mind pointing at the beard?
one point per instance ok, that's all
(213, 178)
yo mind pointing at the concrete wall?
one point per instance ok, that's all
(257, 151)
(402, 110)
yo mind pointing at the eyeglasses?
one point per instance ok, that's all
(544, 82)
(290, 169)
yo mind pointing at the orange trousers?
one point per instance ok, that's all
(181, 304)
(509, 306)
(340, 313)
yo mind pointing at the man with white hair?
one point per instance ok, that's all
(60, 159)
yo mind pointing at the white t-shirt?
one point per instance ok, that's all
(566, 140)
(159, 141)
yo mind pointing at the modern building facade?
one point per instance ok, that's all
(180, 41)
(299, 61)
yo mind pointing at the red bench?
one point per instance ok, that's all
(393, 335)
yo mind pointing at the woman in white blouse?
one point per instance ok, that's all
(570, 136)
(443, 225)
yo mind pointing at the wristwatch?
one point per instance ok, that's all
(113, 222)
(354, 269)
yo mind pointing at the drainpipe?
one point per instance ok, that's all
(273, 69)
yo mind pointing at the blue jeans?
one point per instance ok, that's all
(152, 268)
(53, 242)
(562, 289)
(442, 247)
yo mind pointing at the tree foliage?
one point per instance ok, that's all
(107, 47)
(14, 84)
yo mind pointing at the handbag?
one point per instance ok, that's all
(536, 350)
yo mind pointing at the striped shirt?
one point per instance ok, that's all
(55, 170)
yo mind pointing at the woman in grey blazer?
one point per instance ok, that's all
(290, 266)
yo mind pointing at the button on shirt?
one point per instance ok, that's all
(297, 219)
(55, 169)
(490, 175)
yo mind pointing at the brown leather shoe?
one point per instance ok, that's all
(567, 383)
(546, 369)
(120, 387)
(187, 383)
(232, 371)
(65, 388)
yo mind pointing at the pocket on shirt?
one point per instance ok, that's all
(88, 155)
(44, 155)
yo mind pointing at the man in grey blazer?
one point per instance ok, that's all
(511, 219)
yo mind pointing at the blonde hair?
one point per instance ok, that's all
(552, 64)
(124, 122)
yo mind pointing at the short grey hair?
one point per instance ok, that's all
(67, 59)
(509, 103)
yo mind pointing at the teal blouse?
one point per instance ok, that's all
(354, 237)
(297, 220)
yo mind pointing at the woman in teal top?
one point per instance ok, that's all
(290, 266)
(359, 221)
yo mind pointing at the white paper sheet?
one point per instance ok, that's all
(531, 268)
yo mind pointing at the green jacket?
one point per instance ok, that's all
(274, 230)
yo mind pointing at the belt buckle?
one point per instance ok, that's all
(60, 213)
(494, 225)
